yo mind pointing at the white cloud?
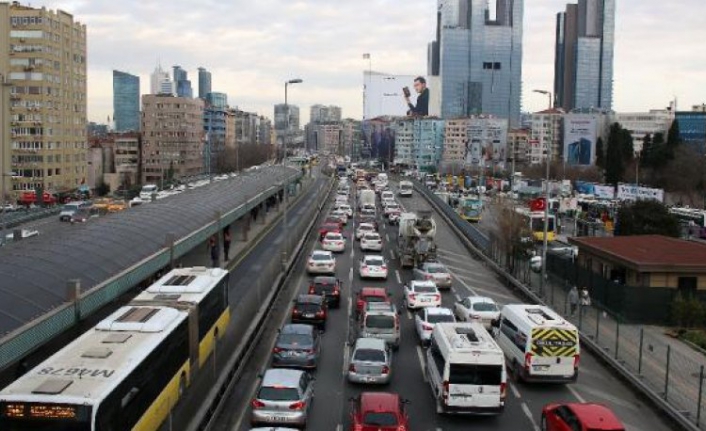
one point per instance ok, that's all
(252, 47)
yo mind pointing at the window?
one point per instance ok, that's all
(471, 374)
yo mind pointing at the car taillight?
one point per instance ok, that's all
(336, 292)
(299, 405)
(397, 323)
(276, 350)
(311, 291)
(412, 297)
(437, 297)
(445, 392)
(401, 428)
(256, 404)
(358, 427)
(360, 303)
(364, 268)
(427, 327)
(295, 312)
(528, 361)
(503, 387)
(351, 368)
(428, 277)
(576, 362)
(320, 313)
(386, 370)
(384, 267)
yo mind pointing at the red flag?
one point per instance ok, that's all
(538, 204)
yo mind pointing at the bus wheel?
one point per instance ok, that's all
(182, 385)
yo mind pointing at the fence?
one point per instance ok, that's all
(664, 368)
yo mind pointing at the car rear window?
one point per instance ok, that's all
(374, 298)
(440, 318)
(321, 257)
(435, 269)
(374, 262)
(369, 355)
(381, 419)
(424, 289)
(380, 322)
(295, 340)
(485, 306)
(466, 374)
(323, 288)
(269, 393)
(308, 308)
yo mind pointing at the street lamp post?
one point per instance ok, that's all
(285, 253)
(546, 198)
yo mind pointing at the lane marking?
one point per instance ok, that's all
(576, 395)
(528, 413)
(453, 253)
(387, 237)
(422, 363)
(460, 279)
(409, 314)
(350, 276)
(399, 277)
(352, 250)
(339, 427)
(393, 256)
(346, 358)
(515, 391)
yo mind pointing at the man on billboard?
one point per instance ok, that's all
(422, 108)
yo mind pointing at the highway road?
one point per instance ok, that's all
(331, 406)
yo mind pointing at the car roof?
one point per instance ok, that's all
(370, 343)
(373, 291)
(415, 283)
(439, 311)
(325, 279)
(297, 328)
(337, 233)
(432, 264)
(379, 402)
(366, 225)
(372, 234)
(369, 256)
(475, 299)
(595, 416)
(320, 252)
(310, 299)
(283, 377)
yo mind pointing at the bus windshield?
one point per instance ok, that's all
(44, 417)
(538, 225)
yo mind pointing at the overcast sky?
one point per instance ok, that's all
(252, 47)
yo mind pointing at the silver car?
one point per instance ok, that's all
(435, 272)
(297, 346)
(284, 397)
(381, 324)
(371, 362)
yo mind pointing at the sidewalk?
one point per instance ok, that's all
(670, 367)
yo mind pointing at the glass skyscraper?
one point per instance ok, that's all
(583, 64)
(204, 83)
(126, 102)
(182, 83)
(478, 53)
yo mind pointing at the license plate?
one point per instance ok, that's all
(540, 367)
(309, 316)
(368, 379)
(275, 418)
(426, 300)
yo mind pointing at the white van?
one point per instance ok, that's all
(539, 344)
(406, 188)
(466, 369)
(147, 191)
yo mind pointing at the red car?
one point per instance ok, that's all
(370, 294)
(579, 417)
(329, 226)
(378, 411)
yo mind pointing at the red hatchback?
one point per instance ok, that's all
(579, 417)
(329, 226)
(378, 411)
(370, 294)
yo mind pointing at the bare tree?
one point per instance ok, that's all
(512, 236)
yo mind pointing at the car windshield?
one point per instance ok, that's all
(321, 257)
(380, 321)
(439, 318)
(278, 394)
(485, 306)
(381, 419)
(435, 269)
(422, 288)
(301, 340)
(369, 355)
(374, 261)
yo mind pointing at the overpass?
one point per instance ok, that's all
(50, 283)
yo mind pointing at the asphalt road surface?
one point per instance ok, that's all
(330, 410)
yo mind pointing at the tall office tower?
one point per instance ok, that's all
(161, 82)
(477, 55)
(583, 62)
(126, 102)
(324, 114)
(43, 58)
(182, 84)
(204, 83)
(281, 117)
(172, 137)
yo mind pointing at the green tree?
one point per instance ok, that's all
(600, 154)
(646, 217)
(619, 153)
(646, 150)
(102, 189)
(673, 136)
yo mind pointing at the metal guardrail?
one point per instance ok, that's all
(12, 219)
(479, 245)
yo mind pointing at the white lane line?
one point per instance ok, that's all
(346, 356)
(480, 273)
(409, 314)
(460, 279)
(515, 391)
(420, 356)
(528, 413)
(352, 251)
(387, 237)
(393, 256)
(454, 253)
(339, 427)
(399, 277)
(576, 395)
(350, 276)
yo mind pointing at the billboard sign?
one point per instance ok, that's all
(604, 192)
(386, 95)
(580, 135)
(487, 141)
(628, 192)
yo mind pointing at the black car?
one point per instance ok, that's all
(328, 287)
(297, 346)
(310, 309)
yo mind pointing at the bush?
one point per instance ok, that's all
(697, 337)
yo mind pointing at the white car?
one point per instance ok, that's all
(477, 308)
(345, 208)
(385, 195)
(426, 318)
(418, 294)
(334, 241)
(372, 266)
(393, 207)
(387, 202)
(363, 229)
(341, 199)
(321, 262)
(341, 214)
(371, 242)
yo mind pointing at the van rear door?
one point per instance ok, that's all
(475, 386)
(553, 353)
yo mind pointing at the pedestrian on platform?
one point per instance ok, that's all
(215, 255)
(226, 242)
(585, 298)
(573, 299)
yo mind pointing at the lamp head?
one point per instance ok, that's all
(295, 81)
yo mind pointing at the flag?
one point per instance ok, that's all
(366, 56)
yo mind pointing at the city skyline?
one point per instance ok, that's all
(271, 50)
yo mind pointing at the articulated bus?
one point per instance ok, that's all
(130, 370)
(535, 221)
(470, 208)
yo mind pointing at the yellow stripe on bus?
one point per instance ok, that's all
(206, 345)
(153, 417)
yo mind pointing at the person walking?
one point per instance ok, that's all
(573, 299)
(585, 298)
(226, 242)
(215, 255)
